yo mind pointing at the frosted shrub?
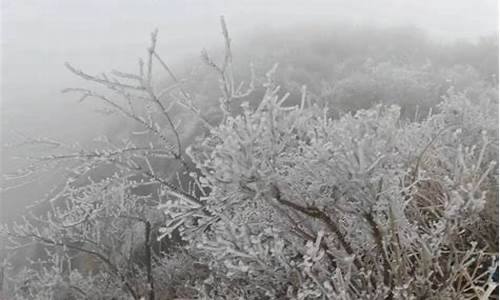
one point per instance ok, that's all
(275, 201)
(364, 206)
(97, 243)
(98, 232)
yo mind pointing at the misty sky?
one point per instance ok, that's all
(38, 36)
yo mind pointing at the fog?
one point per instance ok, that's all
(318, 139)
(39, 36)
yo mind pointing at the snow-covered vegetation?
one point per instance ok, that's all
(375, 178)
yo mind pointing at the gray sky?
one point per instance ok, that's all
(38, 36)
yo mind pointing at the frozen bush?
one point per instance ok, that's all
(365, 206)
(278, 200)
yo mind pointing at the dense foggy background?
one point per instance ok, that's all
(39, 36)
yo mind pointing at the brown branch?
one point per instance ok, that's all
(151, 50)
(96, 154)
(303, 234)
(149, 261)
(122, 110)
(148, 87)
(228, 56)
(105, 82)
(316, 213)
(379, 241)
(414, 172)
(155, 99)
(181, 89)
(173, 189)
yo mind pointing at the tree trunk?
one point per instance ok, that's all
(149, 262)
